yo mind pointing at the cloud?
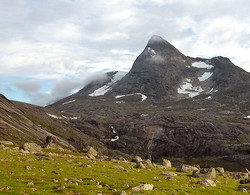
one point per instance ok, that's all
(66, 39)
(60, 89)
(28, 86)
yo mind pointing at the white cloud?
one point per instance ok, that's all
(64, 39)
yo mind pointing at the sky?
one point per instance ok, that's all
(50, 49)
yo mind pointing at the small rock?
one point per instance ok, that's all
(86, 165)
(143, 187)
(166, 163)
(139, 165)
(187, 168)
(246, 187)
(148, 163)
(122, 159)
(4, 188)
(51, 139)
(119, 167)
(170, 178)
(245, 181)
(169, 174)
(123, 193)
(8, 143)
(60, 187)
(220, 170)
(53, 146)
(207, 182)
(137, 159)
(91, 151)
(27, 168)
(207, 173)
(31, 147)
(30, 183)
(239, 175)
(55, 173)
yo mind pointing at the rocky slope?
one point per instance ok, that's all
(21, 122)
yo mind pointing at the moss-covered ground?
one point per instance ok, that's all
(67, 173)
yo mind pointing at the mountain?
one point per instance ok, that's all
(162, 73)
(168, 104)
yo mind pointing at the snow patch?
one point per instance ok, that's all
(144, 115)
(209, 97)
(54, 116)
(114, 132)
(143, 97)
(247, 117)
(101, 91)
(104, 89)
(72, 118)
(113, 129)
(189, 89)
(119, 102)
(114, 139)
(205, 76)
(152, 52)
(68, 102)
(59, 117)
(202, 65)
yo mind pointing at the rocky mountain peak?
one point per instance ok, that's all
(155, 71)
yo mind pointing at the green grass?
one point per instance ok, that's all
(18, 169)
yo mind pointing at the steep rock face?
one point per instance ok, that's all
(156, 72)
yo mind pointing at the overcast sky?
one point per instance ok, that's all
(51, 48)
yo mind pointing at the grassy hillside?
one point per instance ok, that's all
(73, 173)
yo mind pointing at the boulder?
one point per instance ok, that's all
(137, 159)
(6, 143)
(139, 165)
(239, 175)
(51, 139)
(31, 147)
(148, 163)
(187, 168)
(143, 187)
(220, 170)
(123, 193)
(53, 145)
(210, 173)
(166, 163)
(122, 159)
(207, 182)
(245, 181)
(91, 151)
(172, 174)
(243, 188)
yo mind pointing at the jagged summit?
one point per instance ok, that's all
(155, 71)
